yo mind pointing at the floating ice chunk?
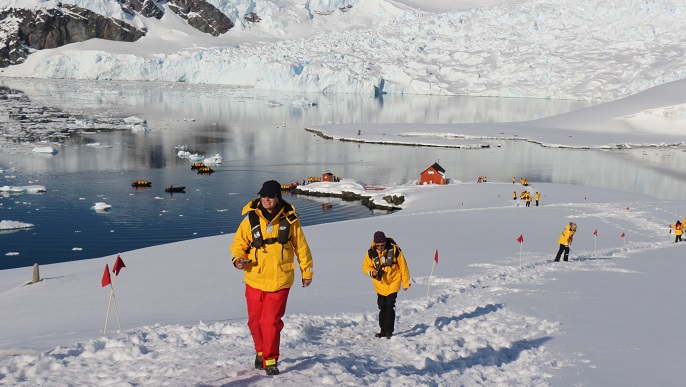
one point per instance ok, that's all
(76, 249)
(182, 147)
(134, 120)
(23, 189)
(45, 150)
(184, 154)
(304, 102)
(216, 159)
(13, 225)
(139, 128)
(274, 103)
(101, 206)
(196, 157)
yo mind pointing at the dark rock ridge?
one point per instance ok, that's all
(202, 16)
(26, 30)
(393, 202)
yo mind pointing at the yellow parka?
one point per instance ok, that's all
(567, 235)
(273, 265)
(393, 276)
(678, 228)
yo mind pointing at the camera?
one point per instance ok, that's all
(379, 275)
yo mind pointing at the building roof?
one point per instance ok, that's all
(436, 167)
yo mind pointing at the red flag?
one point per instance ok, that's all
(595, 232)
(622, 235)
(520, 239)
(118, 265)
(106, 276)
(436, 256)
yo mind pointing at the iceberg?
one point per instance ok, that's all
(101, 206)
(23, 189)
(45, 149)
(13, 225)
(216, 159)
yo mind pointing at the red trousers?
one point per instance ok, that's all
(265, 310)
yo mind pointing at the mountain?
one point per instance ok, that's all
(51, 25)
(561, 49)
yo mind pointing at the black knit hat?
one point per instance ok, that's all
(271, 188)
(379, 237)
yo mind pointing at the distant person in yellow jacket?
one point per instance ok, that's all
(538, 197)
(678, 230)
(265, 246)
(514, 195)
(527, 198)
(386, 264)
(565, 240)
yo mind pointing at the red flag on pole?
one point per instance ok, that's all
(118, 265)
(106, 280)
(520, 239)
(436, 256)
(622, 235)
(595, 232)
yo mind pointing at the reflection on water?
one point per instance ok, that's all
(261, 137)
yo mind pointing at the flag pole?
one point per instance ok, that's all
(432, 273)
(109, 303)
(116, 309)
(521, 247)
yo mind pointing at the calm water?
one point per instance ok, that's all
(259, 142)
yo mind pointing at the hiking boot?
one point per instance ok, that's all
(380, 334)
(389, 335)
(272, 370)
(258, 362)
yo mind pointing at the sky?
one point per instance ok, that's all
(492, 311)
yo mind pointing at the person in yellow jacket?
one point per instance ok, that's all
(565, 240)
(678, 230)
(265, 247)
(386, 264)
(538, 197)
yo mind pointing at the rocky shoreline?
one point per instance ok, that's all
(392, 202)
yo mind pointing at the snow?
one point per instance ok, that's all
(559, 49)
(491, 316)
(492, 311)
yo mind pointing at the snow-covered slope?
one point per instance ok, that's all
(567, 49)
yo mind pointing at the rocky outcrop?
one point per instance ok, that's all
(202, 16)
(24, 30)
(36, 29)
(146, 8)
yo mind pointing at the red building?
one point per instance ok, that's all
(435, 174)
(327, 176)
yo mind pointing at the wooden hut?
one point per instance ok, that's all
(435, 174)
(327, 176)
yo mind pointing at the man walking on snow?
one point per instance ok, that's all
(264, 247)
(386, 264)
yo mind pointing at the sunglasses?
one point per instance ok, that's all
(269, 196)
